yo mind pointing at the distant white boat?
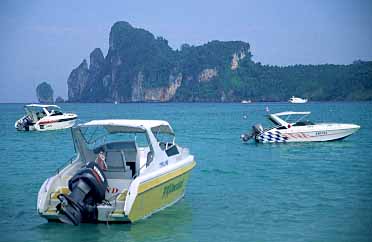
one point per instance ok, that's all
(246, 101)
(116, 102)
(294, 99)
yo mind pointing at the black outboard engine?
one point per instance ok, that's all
(245, 137)
(24, 123)
(88, 187)
(256, 130)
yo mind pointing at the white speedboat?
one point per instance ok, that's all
(124, 170)
(294, 99)
(298, 130)
(44, 117)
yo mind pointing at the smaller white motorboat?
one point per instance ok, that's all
(287, 129)
(44, 117)
(246, 101)
(294, 99)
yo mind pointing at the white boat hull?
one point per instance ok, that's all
(49, 123)
(54, 126)
(297, 100)
(136, 202)
(311, 133)
(301, 101)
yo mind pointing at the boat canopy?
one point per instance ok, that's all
(131, 126)
(291, 113)
(39, 111)
(97, 133)
(42, 106)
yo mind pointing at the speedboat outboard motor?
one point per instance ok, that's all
(24, 123)
(256, 130)
(88, 187)
(245, 137)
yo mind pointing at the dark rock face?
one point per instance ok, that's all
(139, 67)
(97, 60)
(44, 93)
(59, 100)
(78, 82)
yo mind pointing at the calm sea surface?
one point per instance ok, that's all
(237, 192)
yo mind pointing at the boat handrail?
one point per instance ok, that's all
(68, 162)
(137, 172)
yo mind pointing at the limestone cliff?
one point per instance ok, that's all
(163, 94)
(207, 74)
(140, 67)
(77, 82)
(236, 58)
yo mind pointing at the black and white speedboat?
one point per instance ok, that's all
(298, 130)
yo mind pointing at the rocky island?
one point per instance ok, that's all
(44, 93)
(140, 67)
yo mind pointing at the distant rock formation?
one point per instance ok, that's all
(59, 99)
(44, 93)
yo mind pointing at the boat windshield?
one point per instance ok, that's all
(285, 120)
(293, 118)
(303, 123)
(166, 140)
(274, 121)
(96, 136)
(36, 113)
(54, 111)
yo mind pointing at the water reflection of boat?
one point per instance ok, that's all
(124, 171)
(179, 217)
(298, 130)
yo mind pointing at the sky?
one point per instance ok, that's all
(44, 40)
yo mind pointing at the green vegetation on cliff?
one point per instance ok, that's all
(317, 82)
(142, 67)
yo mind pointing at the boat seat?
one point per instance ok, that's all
(121, 159)
(116, 167)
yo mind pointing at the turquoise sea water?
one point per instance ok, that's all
(237, 192)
